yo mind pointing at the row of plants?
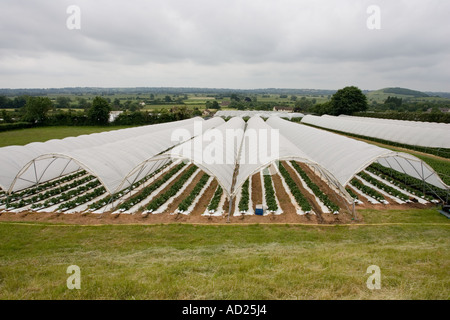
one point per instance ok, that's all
(44, 186)
(380, 185)
(51, 193)
(184, 205)
(367, 190)
(401, 180)
(66, 196)
(111, 198)
(352, 194)
(212, 207)
(315, 189)
(301, 200)
(129, 203)
(269, 191)
(245, 197)
(82, 199)
(163, 198)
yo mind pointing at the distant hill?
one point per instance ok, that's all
(407, 94)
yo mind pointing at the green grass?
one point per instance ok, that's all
(24, 136)
(230, 262)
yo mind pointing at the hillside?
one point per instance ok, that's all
(407, 94)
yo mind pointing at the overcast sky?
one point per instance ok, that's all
(242, 44)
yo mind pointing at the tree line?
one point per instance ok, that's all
(36, 112)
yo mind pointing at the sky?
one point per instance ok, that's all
(240, 44)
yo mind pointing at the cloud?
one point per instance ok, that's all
(249, 44)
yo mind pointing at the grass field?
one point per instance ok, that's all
(230, 262)
(24, 136)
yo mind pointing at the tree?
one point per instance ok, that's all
(98, 113)
(116, 103)
(303, 105)
(234, 97)
(36, 109)
(215, 105)
(5, 102)
(83, 103)
(347, 101)
(6, 117)
(63, 102)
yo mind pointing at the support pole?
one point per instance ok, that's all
(230, 206)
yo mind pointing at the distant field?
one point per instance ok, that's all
(24, 136)
(229, 261)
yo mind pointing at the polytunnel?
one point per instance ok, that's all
(110, 156)
(430, 135)
(264, 145)
(215, 152)
(344, 157)
(258, 113)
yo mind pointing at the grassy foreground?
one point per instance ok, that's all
(230, 262)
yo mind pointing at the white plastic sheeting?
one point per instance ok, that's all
(110, 156)
(345, 157)
(257, 113)
(216, 151)
(424, 134)
(263, 145)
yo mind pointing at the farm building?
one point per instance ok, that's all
(214, 166)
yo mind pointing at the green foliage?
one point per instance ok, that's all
(63, 102)
(36, 109)
(149, 189)
(82, 199)
(65, 194)
(14, 126)
(322, 196)
(367, 190)
(406, 92)
(348, 101)
(103, 202)
(382, 186)
(245, 197)
(394, 101)
(301, 200)
(163, 198)
(98, 113)
(407, 182)
(44, 186)
(352, 194)
(216, 199)
(269, 192)
(184, 205)
(35, 198)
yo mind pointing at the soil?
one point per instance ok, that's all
(256, 189)
(174, 205)
(204, 201)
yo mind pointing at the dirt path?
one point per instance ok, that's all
(174, 205)
(256, 189)
(282, 196)
(316, 218)
(204, 201)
